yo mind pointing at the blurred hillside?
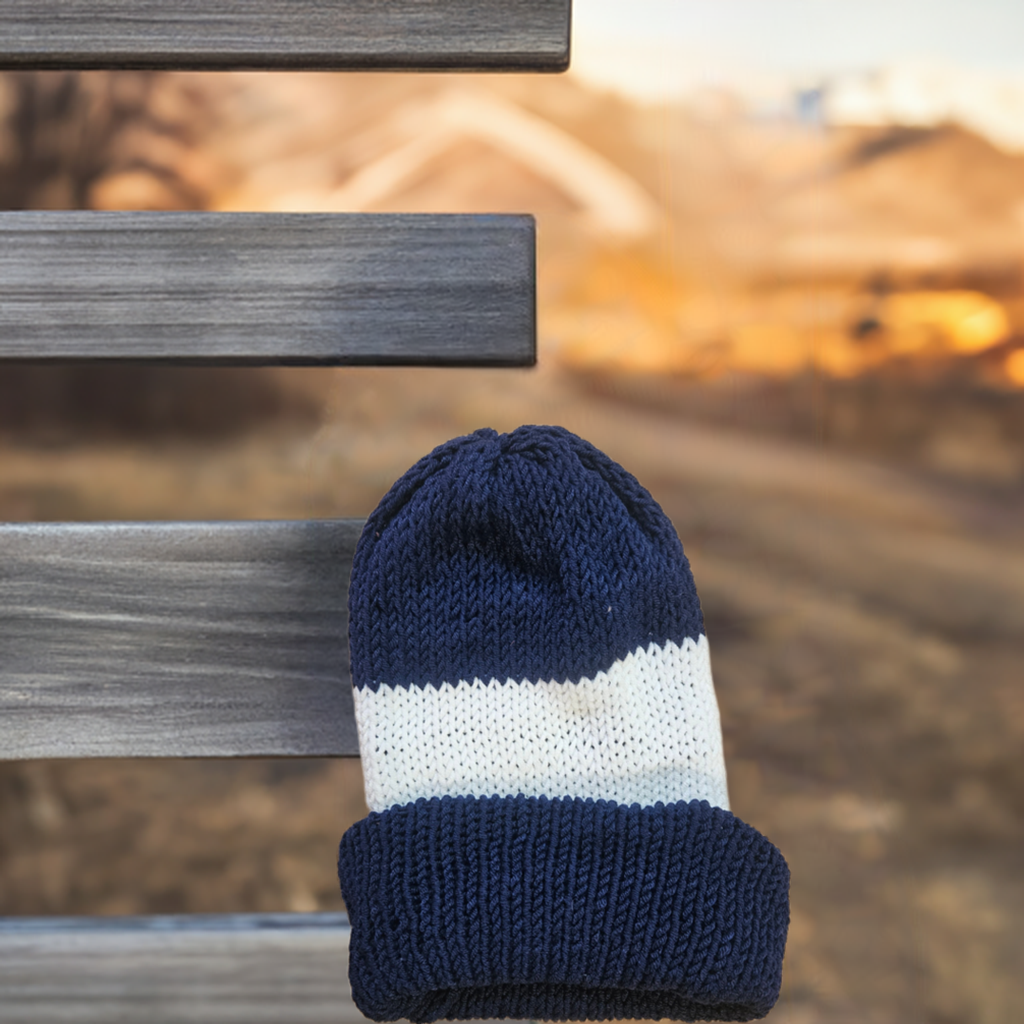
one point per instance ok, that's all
(678, 245)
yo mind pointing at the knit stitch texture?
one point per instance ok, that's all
(529, 555)
(549, 835)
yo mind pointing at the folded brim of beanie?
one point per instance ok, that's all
(562, 909)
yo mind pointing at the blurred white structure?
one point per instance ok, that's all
(613, 203)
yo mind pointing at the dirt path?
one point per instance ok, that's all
(867, 632)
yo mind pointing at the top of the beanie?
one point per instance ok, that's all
(529, 555)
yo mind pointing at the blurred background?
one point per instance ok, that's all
(781, 279)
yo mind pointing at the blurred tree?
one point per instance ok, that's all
(62, 132)
(130, 140)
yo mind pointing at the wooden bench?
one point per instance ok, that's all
(447, 290)
(224, 639)
(337, 35)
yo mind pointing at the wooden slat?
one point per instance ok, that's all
(268, 288)
(402, 35)
(244, 969)
(176, 639)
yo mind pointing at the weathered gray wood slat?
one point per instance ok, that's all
(401, 35)
(239, 969)
(176, 639)
(440, 289)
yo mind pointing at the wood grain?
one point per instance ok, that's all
(176, 639)
(249, 969)
(268, 288)
(398, 35)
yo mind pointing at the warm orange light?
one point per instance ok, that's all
(963, 322)
(775, 349)
(1014, 367)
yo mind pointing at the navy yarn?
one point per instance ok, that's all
(459, 909)
(528, 555)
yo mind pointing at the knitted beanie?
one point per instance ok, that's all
(550, 835)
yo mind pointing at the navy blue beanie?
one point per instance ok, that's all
(549, 835)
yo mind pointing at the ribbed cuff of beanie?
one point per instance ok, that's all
(562, 909)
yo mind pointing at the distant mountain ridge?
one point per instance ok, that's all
(928, 94)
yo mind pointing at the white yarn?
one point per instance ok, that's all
(645, 731)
